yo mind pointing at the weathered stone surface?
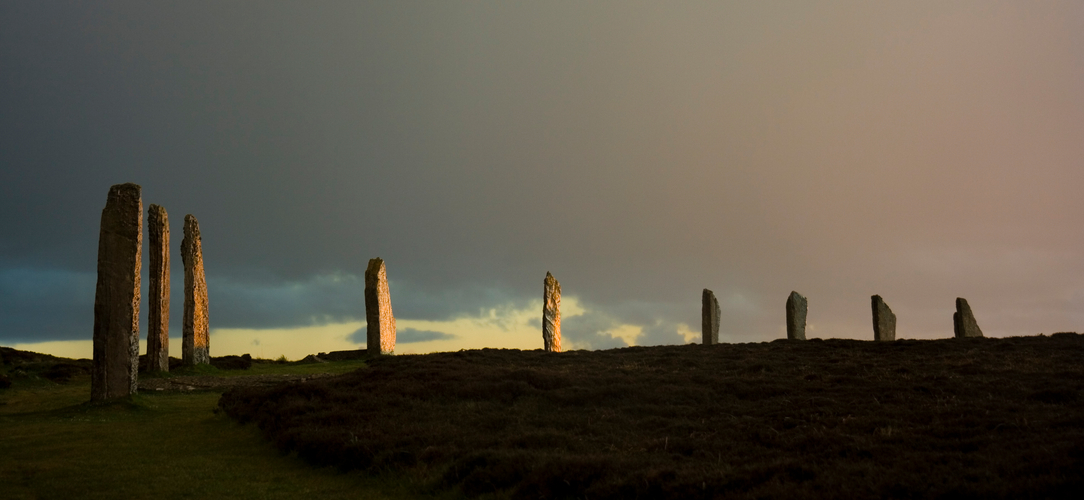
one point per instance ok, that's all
(381, 322)
(158, 290)
(709, 318)
(196, 341)
(116, 298)
(963, 321)
(884, 320)
(551, 314)
(796, 312)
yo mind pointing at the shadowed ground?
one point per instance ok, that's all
(169, 444)
(991, 418)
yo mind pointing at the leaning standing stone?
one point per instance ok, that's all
(709, 313)
(963, 320)
(116, 299)
(158, 290)
(884, 320)
(551, 314)
(796, 311)
(381, 322)
(196, 343)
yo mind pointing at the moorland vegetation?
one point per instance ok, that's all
(959, 418)
(953, 418)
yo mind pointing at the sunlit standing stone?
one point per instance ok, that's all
(963, 321)
(884, 320)
(115, 368)
(196, 341)
(551, 314)
(796, 312)
(158, 290)
(709, 317)
(380, 331)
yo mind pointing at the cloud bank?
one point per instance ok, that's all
(920, 151)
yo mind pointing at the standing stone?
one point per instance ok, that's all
(378, 315)
(709, 316)
(196, 343)
(796, 311)
(158, 290)
(551, 314)
(963, 321)
(116, 298)
(884, 320)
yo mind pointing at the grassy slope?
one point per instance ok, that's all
(162, 445)
(982, 418)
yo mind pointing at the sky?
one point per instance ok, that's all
(639, 151)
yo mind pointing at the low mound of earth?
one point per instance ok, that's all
(193, 382)
(16, 364)
(27, 365)
(989, 418)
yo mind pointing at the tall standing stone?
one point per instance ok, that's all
(551, 314)
(796, 312)
(196, 343)
(158, 290)
(378, 316)
(115, 369)
(709, 318)
(963, 321)
(884, 320)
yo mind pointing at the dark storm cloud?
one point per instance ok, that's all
(595, 328)
(660, 333)
(339, 297)
(591, 330)
(45, 304)
(640, 152)
(284, 304)
(402, 336)
(427, 303)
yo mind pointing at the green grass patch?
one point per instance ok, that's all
(163, 445)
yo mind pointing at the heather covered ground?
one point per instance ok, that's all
(981, 418)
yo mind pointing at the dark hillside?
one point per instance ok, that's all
(982, 418)
(16, 365)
